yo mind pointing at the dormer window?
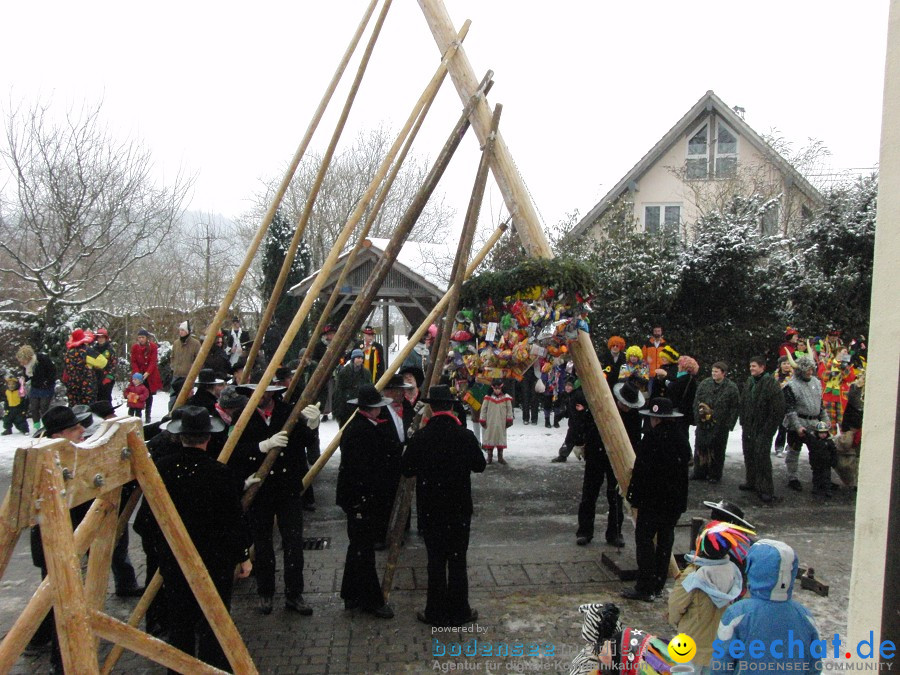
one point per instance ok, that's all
(697, 163)
(726, 152)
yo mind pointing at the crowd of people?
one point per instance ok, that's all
(814, 398)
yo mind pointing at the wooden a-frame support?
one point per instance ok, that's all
(54, 476)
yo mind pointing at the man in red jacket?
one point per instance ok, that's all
(145, 360)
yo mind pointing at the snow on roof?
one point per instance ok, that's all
(434, 262)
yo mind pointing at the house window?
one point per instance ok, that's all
(662, 218)
(697, 155)
(726, 152)
(768, 223)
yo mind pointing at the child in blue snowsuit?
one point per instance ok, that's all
(784, 626)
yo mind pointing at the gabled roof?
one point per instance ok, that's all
(425, 264)
(707, 103)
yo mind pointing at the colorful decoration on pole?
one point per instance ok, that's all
(511, 318)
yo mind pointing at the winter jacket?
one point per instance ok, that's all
(762, 405)
(724, 399)
(768, 615)
(701, 594)
(184, 351)
(495, 416)
(204, 399)
(218, 361)
(43, 376)
(682, 390)
(363, 472)
(145, 360)
(612, 366)
(107, 373)
(136, 396)
(442, 456)
(803, 403)
(347, 385)
(285, 480)
(853, 413)
(651, 354)
(207, 496)
(79, 378)
(659, 481)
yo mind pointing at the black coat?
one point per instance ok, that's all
(286, 477)
(207, 496)
(367, 453)
(205, 399)
(659, 482)
(612, 366)
(44, 374)
(218, 361)
(682, 391)
(443, 456)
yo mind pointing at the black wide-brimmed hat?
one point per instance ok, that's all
(729, 512)
(207, 376)
(103, 409)
(195, 420)
(397, 382)
(416, 372)
(629, 395)
(369, 397)
(59, 418)
(253, 386)
(661, 407)
(439, 393)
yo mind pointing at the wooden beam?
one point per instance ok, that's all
(270, 214)
(148, 646)
(291, 252)
(527, 224)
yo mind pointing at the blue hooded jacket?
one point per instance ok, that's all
(773, 628)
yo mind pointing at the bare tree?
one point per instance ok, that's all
(347, 179)
(79, 206)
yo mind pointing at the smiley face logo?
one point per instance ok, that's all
(682, 648)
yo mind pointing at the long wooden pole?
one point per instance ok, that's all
(291, 252)
(270, 214)
(518, 203)
(357, 313)
(328, 265)
(527, 224)
(373, 215)
(406, 488)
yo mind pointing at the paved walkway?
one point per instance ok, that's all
(527, 578)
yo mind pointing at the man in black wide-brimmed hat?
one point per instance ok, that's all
(281, 495)
(366, 441)
(658, 490)
(207, 496)
(442, 455)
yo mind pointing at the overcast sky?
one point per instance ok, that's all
(225, 90)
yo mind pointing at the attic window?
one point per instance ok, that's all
(696, 166)
(726, 152)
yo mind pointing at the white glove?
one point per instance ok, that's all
(578, 451)
(279, 440)
(313, 416)
(419, 407)
(251, 480)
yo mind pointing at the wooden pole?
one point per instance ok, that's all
(356, 315)
(148, 646)
(195, 573)
(291, 252)
(100, 560)
(137, 614)
(330, 261)
(76, 642)
(407, 486)
(373, 214)
(9, 535)
(270, 214)
(527, 224)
